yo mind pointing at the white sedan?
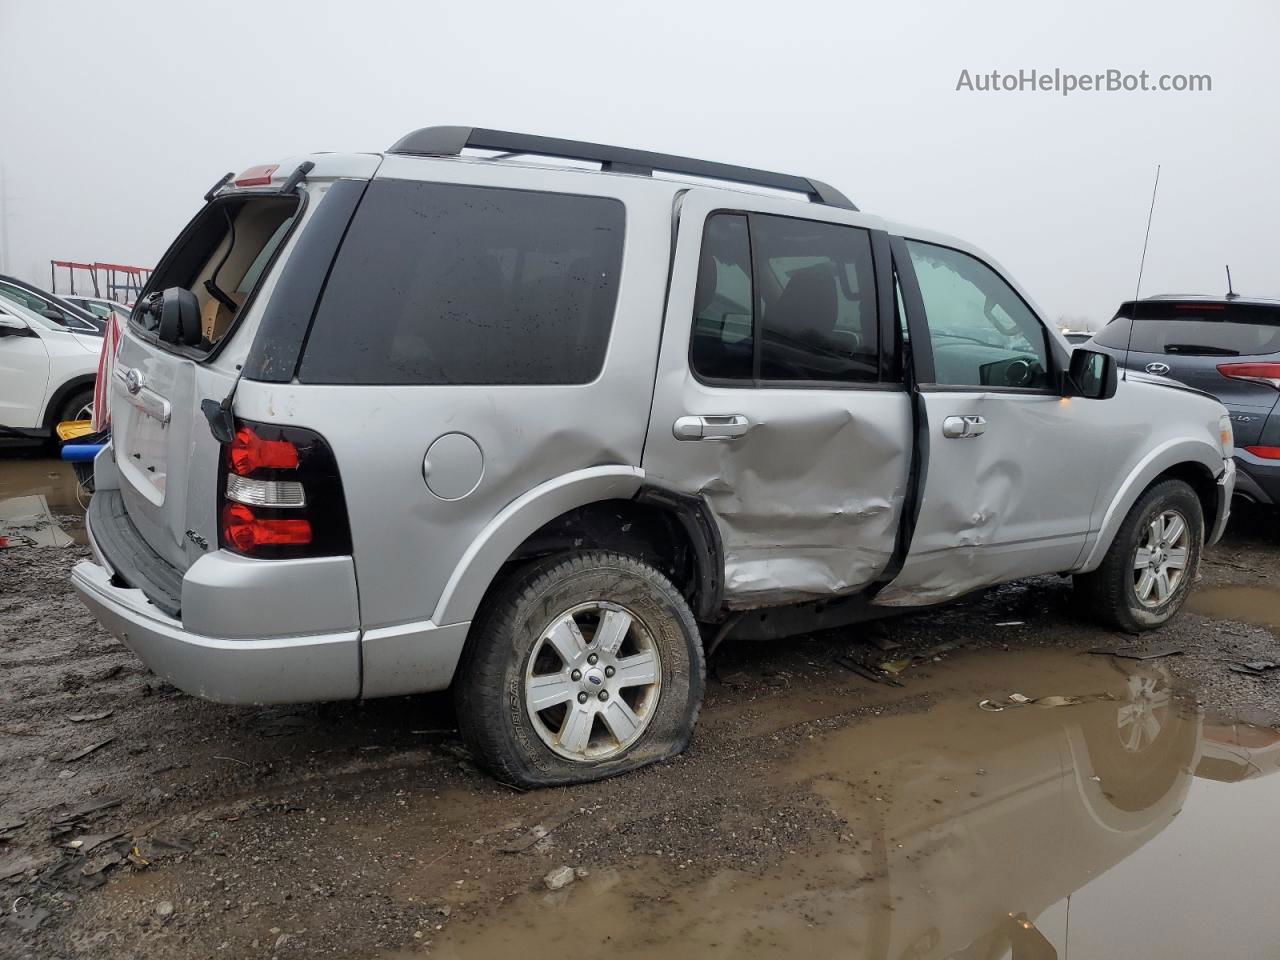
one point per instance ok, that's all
(46, 372)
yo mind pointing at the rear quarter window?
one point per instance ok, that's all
(450, 284)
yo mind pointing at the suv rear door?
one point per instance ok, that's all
(776, 398)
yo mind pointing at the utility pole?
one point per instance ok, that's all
(4, 223)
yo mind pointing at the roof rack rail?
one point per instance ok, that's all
(451, 141)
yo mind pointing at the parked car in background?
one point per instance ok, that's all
(47, 372)
(1228, 347)
(100, 307)
(53, 308)
(387, 423)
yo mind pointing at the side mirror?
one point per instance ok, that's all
(1092, 375)
(54, 314)
(12, 326)
(180, 317)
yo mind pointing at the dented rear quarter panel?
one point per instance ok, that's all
(408, 543)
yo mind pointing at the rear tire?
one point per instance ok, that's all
(1139, 585)
(580, 667)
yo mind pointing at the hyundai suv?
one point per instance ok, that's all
(1226, 346)
(529, 423)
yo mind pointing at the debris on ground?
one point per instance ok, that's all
(82, 753)
(1019, 700)
(90, 717)
(540, 831)
(875, 676)
(559, 878)
(1254, 668)
(1139, 653)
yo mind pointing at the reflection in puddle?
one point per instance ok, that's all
(1259, 605)
(40, 503)
(1121, 827)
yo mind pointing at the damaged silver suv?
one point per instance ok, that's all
(454, 416)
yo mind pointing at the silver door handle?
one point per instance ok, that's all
(726, 427)
(962, 428)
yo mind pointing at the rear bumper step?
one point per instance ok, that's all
(129, 556)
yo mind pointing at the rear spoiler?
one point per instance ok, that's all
(256, 176)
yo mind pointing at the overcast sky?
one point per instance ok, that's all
(117, 117)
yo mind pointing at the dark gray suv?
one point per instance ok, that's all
(1228, 347)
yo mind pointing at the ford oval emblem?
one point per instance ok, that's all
(1159, 369)
(133, 381)
(594, 679)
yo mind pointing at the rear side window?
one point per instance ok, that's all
(446, 284)
(817, 301)
(723, 336)
(1197, 329)
(785, 300)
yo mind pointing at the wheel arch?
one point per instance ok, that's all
(1191, 461)
(609, 508)
(59, 397)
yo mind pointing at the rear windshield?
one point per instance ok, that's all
(440, 283)
(220, 257)
(1203, 329)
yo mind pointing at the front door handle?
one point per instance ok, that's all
(963, 428)
(727, 427)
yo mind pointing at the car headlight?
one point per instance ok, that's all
(1226, 435)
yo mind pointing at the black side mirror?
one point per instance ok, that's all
(1092, 375)
(180, 317)
(54, 314)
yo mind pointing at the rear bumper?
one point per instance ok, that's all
(299, 669)
(1258, 479)
(1226, 487)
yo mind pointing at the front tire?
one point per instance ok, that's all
(580, 667)
(1148, 571)
(79, 406)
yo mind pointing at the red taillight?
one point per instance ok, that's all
(246, 531)
(1267, 453)
(258, 176)
(280, 494)
(249, 452)
(1265, 373)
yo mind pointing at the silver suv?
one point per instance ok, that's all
(391, 423)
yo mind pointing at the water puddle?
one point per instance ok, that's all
(40, 503)
(1260, 605)
(1128, 825)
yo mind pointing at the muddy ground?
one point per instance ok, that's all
(364, 830)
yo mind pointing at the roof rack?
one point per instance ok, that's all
(451, 141)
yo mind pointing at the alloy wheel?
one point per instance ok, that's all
(593, 681)
(1160, 562)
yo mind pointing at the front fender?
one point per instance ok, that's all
(513, 525)
(1160, 459)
